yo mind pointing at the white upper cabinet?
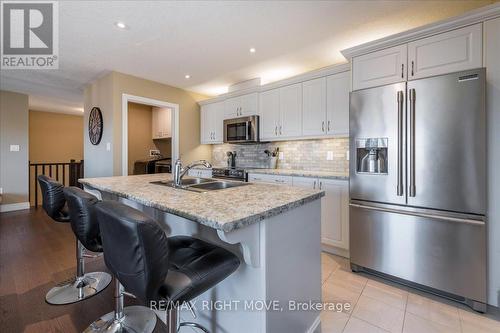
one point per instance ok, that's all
(379, 68)
(211, 127)
(232, 107)
(241, 106)
(161, 123)
(448, 52)
(281, 113)
(290, 111)
(249, 104)
(269, 106)
(314, 107)
(337, 103)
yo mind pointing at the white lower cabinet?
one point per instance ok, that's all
(334, 209)
(200, 173)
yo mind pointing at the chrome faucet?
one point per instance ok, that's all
(180, 171)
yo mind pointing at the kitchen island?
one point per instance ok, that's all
(275, 230)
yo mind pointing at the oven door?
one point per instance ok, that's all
(241, 130)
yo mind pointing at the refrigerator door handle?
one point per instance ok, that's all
(420, 214)
(412, 190)
(400, 144)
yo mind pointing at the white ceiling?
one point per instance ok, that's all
(210, 40)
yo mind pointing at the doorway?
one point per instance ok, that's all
(149, 127)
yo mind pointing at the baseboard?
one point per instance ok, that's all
(315, 325)
(14, 206)
(335, 250)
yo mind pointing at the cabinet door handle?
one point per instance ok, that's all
(328, 125)
(320, 185)
(402, 70)
(323, 126)
(412, 67)
(276, 130)
(314, 185)
(280, 130)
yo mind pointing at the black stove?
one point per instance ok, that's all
(230, 173)
(240, 173)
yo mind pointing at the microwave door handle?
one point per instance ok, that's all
(400, 143)
(247, 131)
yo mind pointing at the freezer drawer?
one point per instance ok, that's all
(444, 253)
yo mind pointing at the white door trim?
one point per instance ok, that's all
(126, 98)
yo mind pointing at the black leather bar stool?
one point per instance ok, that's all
(84, 285)
(155, 268)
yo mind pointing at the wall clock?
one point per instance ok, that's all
(95, 126)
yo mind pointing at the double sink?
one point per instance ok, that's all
(201, 184)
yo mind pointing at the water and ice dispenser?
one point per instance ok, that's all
(371, 155)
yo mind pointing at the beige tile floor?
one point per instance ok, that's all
(382, 306)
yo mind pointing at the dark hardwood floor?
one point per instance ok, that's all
(35, 254)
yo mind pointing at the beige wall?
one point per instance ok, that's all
(107, 92)
(98, 160)
(140, 135)
(55, 137)
(13, 131)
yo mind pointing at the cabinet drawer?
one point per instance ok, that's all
(272, 179)
(448, 52)
(306, 182)
(380, 68)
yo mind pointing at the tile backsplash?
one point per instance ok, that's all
(303, 155)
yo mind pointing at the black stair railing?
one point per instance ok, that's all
(66, 173)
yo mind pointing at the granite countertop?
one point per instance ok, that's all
(301, 173)
(226, 209)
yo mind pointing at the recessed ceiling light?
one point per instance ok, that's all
(187, 76)
(121, 25)
(252, 50)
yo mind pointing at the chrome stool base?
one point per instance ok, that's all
(193, 325)
(78, 289)
(135, 319)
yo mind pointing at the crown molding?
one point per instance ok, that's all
(317, 73)
(472, 17)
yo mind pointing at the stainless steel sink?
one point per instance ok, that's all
(185, 181)
(201, 184)
(213, 186)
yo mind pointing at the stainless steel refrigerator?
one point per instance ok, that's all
(418, 184)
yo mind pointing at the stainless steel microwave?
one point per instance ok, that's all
(241, 130)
